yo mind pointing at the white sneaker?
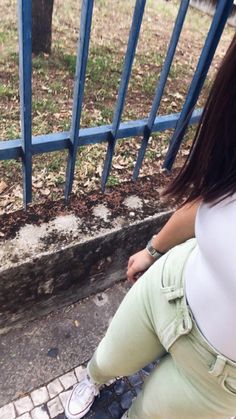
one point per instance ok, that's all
(81, 399)
(125, 415)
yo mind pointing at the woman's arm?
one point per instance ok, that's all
(178, 229)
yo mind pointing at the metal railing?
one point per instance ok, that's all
(27, 146)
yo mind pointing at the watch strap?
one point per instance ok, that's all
(152, 251)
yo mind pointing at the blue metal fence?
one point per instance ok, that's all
(27, 146)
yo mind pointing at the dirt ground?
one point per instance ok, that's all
(149, 189)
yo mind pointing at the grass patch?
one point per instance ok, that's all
(69, 61)
(10, 167)
(104, 67)
(45, 105)
(55, 164)
(11, 132)
(7, 91)
(113, 181)
(3, 36)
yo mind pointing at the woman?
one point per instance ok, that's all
(183, 309)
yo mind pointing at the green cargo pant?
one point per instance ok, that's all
(192, 380)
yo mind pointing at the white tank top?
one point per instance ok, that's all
(210, 274)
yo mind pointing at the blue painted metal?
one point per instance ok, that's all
(57, 142)
(129, 57)
(81, 64)
(25, 74)
(222, 12)
(162, 82)
(28, 145)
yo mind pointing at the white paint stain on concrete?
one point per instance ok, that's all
(66, 223)
(101, 211)
(133, 202)
(32, 239)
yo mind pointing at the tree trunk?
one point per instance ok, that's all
(42, 26)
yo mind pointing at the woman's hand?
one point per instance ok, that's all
(139, 263)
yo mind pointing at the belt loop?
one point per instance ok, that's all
(218, 368)
(175, 294)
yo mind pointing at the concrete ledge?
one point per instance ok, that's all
(55, 264)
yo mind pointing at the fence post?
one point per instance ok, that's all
(25, 75)
(129, 57)
(81, 64)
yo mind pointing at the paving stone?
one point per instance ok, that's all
(99, 404)
(23, 405)
(137, 389)
(40, 396)
(25, 416)
(7, 411)
(115, 410)
(149, 368)
(54, 388)
(68, 380)
(135, 379)
(64, 397)
(126, 400)
(120, 387)
(106, 394)
(80, 373)
(113, 401)
(39, 413)
(100, 414)
(55, 407)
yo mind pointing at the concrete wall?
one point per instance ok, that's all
(41, 271)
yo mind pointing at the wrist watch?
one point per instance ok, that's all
(152, 251)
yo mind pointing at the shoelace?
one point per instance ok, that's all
(80, 390)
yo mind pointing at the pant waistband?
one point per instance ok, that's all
(222, 363)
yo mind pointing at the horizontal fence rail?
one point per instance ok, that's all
(27, 146)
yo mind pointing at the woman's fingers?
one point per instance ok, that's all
(131, 272)
(130, 262)
(137, 264)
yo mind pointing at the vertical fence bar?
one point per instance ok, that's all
(25, 75)
(81, 64)
(129, 57)
(217, 26)
(161, 84)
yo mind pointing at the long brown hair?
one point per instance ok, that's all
(210, 169)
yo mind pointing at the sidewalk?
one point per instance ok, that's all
(48, 402)
(40, 362)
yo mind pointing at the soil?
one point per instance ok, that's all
(148, 188)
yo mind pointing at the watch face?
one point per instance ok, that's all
(152, 251)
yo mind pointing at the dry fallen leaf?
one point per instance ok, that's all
(118, 166)
(45, 192)
(17, 192)
(38, 185)
(3, 186)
